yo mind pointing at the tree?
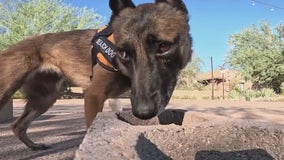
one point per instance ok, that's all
(20, 19)
(187, 75)
(258, 53)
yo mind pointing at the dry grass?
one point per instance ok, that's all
(186, 94)
(204, 95)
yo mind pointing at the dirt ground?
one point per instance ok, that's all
(262, 111)
(63, 125)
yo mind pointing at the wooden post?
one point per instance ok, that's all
(223, 71)
(223, 89)
(212, 78)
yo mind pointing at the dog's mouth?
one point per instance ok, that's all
(144, 109)
(143, 112)
(145, 115)
(148, 114)
(146, 106)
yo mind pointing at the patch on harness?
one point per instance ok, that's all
(103, 51)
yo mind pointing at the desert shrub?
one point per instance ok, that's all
(248, 95)
(282, 88)
(18, 95)
(234, 94)
(266, 92)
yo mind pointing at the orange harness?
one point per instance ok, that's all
(103, 51)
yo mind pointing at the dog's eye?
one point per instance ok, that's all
(123, 55)
(163, 48)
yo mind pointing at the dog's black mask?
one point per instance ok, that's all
(153, 45)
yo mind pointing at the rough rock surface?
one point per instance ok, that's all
(197, 136)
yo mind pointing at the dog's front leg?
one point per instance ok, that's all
(95, 94)
(105, 84)
(94, 101)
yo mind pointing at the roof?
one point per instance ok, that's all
(217, 74)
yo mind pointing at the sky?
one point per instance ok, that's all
(211, 22)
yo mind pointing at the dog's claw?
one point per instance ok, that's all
(40, 146)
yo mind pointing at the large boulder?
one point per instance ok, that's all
(177, 134)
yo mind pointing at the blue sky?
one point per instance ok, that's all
(212, 21)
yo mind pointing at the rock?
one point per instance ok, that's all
(184, 135)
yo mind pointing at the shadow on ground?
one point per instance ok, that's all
(253, 154)
(63, 132)
(146, 150)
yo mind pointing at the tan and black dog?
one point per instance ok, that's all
(152, 45)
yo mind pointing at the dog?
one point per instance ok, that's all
(152, 44)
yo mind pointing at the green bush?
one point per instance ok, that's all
(251, 94)
(266, 92)
(18, 95)
(282, 87)
(234, 94)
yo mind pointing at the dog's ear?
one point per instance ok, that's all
(117, 5)
(175, 3)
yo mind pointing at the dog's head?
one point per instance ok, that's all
(153, 45)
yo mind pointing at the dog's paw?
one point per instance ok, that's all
(40, 146)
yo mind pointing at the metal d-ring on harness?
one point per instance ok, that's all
(103, 51)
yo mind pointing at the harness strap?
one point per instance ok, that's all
(103, 51)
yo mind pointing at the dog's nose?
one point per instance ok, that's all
(144, 112)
